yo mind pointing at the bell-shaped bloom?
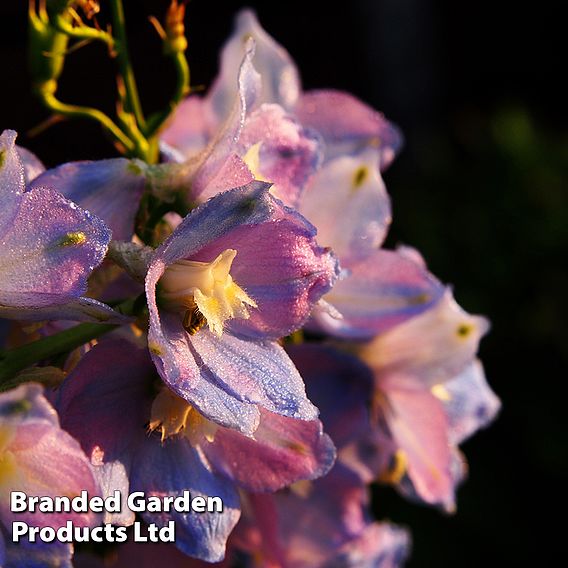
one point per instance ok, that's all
(228, 139)
(238, 273)
(143, 437)
(399, 413)
(110, 189)
(430, 394)
(48, 248)
(258, 76)
(326, 522)
(346, 124)
(40, 459)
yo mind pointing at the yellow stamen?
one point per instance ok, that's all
(206, 293)
(171, 415)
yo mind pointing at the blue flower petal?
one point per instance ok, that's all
(173, 468)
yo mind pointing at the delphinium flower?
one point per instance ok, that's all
(112, 190)
(326, 522)
(429, 395)
(40, 459)
(48, 248)
(234, 139)
(346, 124)
(321, 525)
(141, 436)
(238, 273)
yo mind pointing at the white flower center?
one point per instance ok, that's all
(206, 291)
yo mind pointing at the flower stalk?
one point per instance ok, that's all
(131, 100)
(15, 360)
(174, 46)
(54, 23)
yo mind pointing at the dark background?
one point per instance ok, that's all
(480, 189)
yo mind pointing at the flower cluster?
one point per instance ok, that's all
(244, 333)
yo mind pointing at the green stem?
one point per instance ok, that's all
(47, 47)
(157, 211)
(62, 24)
(15, 360)
(123, 58)
(142, 147)
(47, 96)
(156, 121)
